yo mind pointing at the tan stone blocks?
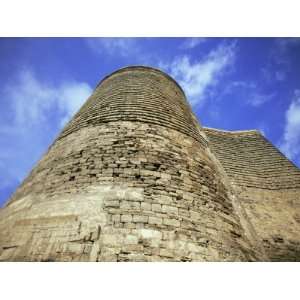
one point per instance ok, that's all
(168, 235)
(165, 176)
(149, 234)
(107, 172)
(192, 247)
(112, 203)
(188, 196)
(166, 253)
(136, 257)
(146, 206)
(195, 216)
(150, 173)
(134, 194)
(131, 239)
(116, 218)
(126, 218)
(130, 205)
(130, 225)
(129, 171)
(170, 209)
(140, 219)
(164, 199)
(155, 220)
(171, 222)
(111, 239)
(156, 207)
(183, 212)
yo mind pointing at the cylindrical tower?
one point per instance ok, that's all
(130, 178)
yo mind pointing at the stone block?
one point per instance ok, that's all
(75, 247)
(146, 206)
(131, 239)
(163, 199)
(149, 233)
(170, 209)
(112, 203)
(156, 207)
(126, 218)
(140, 219)
(155, 220)
(116, 218)
(165, 176)
(166, 253)
(171, 222)
(195, 216)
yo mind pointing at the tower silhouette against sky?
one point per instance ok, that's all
(134, 177)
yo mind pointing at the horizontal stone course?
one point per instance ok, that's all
(267, 184)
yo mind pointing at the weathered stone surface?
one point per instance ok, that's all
(267, 189)
(133, 177)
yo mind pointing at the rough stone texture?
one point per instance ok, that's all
(267, 185)
(132, 177)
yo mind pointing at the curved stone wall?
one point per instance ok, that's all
(137, 94)
(130, 178)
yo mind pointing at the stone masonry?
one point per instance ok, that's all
(135, 177)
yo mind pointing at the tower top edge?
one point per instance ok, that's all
(142, 67)
(233, 132)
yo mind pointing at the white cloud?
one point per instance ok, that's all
(35, 112)
(290, 144)
(257, 99)
(198, 77)
(114, 46)
(248, 92)
(285, 43)
(279, 62)
(239, 84)
(269, 75)
(28, 98)
(70, 98)
(280, 75)
(191, 43)
(31, 100)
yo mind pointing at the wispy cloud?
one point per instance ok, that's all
(70, 97)
(114, 46)
(285, 43)
(198, 77)
(31, 100)
(191, 43)
(257, 99)
(278, 64)
(290, 144)
(249, 93)
(269, 75)
(280, 75)
(35, 112)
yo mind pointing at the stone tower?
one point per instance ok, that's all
(132, 177)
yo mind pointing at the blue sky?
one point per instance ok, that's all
(231, 83)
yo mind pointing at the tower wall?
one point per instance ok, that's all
(267, 186)
(130, 178)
